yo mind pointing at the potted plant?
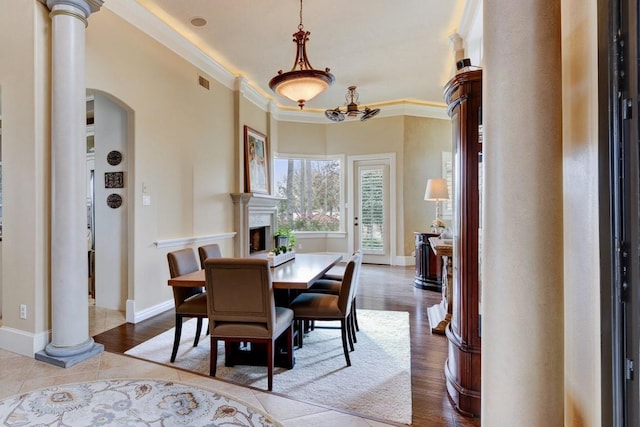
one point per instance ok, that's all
(283, 249)
(284, 240)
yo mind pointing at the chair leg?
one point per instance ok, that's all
(352, 327)
(355, 315)
(300, 324)
(289, 336)
(270, 349)
(176, 338)
(350, 333)
(344, 340)
(213, 357)
(198, 332)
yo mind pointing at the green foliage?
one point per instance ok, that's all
(311, 191)
(289, 241)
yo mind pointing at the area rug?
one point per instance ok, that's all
(377, 384)
(128, 402)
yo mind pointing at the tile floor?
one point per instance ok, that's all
(21, 374)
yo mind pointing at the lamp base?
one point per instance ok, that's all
(438, 226)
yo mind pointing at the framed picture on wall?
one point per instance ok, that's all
(256, 162)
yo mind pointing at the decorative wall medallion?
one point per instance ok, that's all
(114, 180)
(114, 157)
(114, 201)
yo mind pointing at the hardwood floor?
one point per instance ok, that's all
(381, 288)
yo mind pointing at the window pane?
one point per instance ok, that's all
(311, 189)
(372, 214)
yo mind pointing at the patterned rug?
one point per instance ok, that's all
(128, 402)
(377, 384)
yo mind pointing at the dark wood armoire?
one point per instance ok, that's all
(463, 95)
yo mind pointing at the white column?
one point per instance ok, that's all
(522, 323)
(70, 340)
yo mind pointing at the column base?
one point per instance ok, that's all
(64, 361)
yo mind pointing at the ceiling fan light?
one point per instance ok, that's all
(334, 115)
(352, 108)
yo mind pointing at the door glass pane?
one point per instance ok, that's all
(372, 220)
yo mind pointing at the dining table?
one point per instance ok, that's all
(289, 279)
(297, 274)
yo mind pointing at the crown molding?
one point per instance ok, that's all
(471, 10)
(388, 109)
(250, 93)
(149, 24)
(145, 21)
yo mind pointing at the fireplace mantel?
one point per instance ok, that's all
(252, 210)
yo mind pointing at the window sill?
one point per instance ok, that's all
(320, 234)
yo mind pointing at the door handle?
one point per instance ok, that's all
(355, 221)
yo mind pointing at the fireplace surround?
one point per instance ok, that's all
(253, 211)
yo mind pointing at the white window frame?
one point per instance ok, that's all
(340, 158)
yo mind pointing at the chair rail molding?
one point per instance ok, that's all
(193, 240)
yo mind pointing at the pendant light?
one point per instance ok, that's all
(303, 82)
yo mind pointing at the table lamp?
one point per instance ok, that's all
(437, 191)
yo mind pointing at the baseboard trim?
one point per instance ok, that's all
(22, 342)
(134, 316)
(404, 260)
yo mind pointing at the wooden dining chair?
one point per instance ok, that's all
(189, 302)
(331, 283)
(209, 251)
(312, 306)
(242, 308)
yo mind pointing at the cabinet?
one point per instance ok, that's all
(428, 265)
(463, 95)
(440, 314)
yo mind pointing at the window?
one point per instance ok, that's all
(312, 192)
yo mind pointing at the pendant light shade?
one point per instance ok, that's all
(303, 82)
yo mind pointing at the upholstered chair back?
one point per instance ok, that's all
(182, 262)
(209, 251)
(348, 286)
(241, 301)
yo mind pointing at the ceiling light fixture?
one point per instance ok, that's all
(302, 83)
(352, 108)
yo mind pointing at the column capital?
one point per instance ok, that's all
(86, 6)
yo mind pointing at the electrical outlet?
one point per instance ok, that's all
(23, 311)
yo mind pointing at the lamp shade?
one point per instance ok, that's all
(436, 189)
(301, 85)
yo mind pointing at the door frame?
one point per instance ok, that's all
(393, 194)
(618, 210)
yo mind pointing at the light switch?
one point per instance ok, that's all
(146, 200)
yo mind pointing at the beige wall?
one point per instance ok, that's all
(580, 173)
(424, 142)
(183, 145)
(302, 138)
(24, 71)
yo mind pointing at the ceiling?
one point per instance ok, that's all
(393, 51)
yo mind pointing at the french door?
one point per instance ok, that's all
(371, 224)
